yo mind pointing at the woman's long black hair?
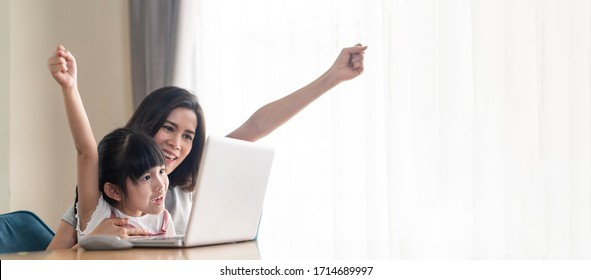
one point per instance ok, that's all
(151, 115)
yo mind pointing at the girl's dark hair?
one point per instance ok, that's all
(151, 115)
(125, 153)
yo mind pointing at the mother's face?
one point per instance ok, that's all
(175, 136)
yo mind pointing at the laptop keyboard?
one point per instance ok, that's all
(157, 237)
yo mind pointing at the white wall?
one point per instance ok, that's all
(41, 155)
(4, 106)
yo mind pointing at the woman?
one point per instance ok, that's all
(174, 118)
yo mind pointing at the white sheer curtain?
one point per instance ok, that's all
(467, 137)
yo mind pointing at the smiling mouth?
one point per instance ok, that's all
(158, 200)
(170, 157)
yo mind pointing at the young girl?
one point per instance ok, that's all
(124, 177)
(133, 183)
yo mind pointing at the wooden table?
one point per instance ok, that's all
(235, 251)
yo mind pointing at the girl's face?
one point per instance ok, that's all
(148, 194)
(175, 136)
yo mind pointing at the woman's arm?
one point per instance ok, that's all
(348, 65)
(65, 237)
(63, 68)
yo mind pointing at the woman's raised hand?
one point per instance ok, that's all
(349, 63)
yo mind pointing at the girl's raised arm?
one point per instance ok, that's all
(62, 66)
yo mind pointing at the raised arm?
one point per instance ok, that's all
(348, 65)
(62, 66)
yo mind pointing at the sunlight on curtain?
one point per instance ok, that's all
(488, 129)
(468, 135)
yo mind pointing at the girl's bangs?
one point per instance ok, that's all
(141, 155)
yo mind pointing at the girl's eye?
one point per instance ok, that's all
(162, 171)
(146, 178)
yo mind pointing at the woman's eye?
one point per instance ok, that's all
(188, 137)
(168, 128)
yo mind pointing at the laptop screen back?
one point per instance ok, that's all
(231, 185)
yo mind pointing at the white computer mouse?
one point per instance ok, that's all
(104, 242)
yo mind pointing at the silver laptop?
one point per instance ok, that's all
(228, 199)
